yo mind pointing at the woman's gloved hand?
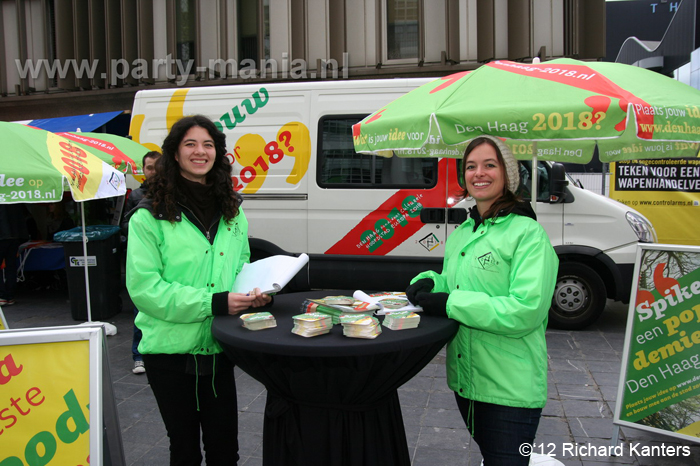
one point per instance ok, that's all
(424, 285)
(433, 304)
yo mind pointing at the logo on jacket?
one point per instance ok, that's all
(487, 261)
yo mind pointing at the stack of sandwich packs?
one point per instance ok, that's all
(359, 326)
(312, 324)
(401, 320)
(258, 320)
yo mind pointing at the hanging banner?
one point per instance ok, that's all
(665, 191)
(659, 387)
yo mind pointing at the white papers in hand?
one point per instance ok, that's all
(270, 274)
(376, 298)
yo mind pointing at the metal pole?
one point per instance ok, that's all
(533, 174)
(85, 263)
(605, 175)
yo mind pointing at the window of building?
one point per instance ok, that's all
(339, 166)
(253, 30)
(50, 11)
(186, 32)
(402, 30)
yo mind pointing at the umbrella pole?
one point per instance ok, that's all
(534, 172)
(85, 263)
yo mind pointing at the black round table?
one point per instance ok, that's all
(331, 400)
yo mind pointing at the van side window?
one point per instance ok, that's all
(339, 166)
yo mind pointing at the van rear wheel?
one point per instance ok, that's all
(579, 297)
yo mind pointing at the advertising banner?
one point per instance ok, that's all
(659, 385)
(51, 382)
(666, 191)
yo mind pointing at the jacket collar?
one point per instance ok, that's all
(521, 208)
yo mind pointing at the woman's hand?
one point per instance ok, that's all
(433, 304)
(261, 299)
(238, 302)
(424, 285)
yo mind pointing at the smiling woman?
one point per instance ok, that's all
(497, 282)
(188, 240)
(196, 154)
(484, 176)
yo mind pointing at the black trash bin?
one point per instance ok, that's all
(104, 270)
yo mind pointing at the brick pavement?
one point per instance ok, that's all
(583, 377)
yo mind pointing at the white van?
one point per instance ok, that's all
(370, 222)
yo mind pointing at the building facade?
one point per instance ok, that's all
(70, 57)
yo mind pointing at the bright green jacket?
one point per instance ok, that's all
(500, 279)
(172, 271)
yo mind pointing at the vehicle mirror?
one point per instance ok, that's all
(558, 183)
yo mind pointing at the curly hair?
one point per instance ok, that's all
(507, 201)
(164, 187)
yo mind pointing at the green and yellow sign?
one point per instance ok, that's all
(661, 379)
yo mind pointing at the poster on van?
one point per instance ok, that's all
(265, 140)
(665, 191)
(659, 387)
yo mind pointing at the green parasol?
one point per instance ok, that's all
(37, 166)
(556, 110)
(122, 153)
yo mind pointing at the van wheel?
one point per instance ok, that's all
(579, 297)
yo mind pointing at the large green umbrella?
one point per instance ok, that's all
(558, 110)
(37, 166)
(122, 153)
(564, 106)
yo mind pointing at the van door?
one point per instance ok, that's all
(550, 216)
(366, 216)
(446, 218)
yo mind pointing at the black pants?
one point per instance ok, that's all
(500, 430)
(188, 402)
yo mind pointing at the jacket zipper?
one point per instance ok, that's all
(206, 230)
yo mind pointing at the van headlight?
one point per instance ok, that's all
(642, 227)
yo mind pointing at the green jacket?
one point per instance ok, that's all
(500, 279)
(172, 272)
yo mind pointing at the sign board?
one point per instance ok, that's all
(55, 388)
(659, 388)
(3, 321)
(665, 191)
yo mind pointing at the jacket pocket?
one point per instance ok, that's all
(503, 370)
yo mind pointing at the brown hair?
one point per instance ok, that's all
(164, 187)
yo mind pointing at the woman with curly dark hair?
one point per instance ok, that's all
(188, 239)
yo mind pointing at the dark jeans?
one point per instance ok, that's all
(136, 339)
(500, 430)
(8, 253)
(188, 402)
